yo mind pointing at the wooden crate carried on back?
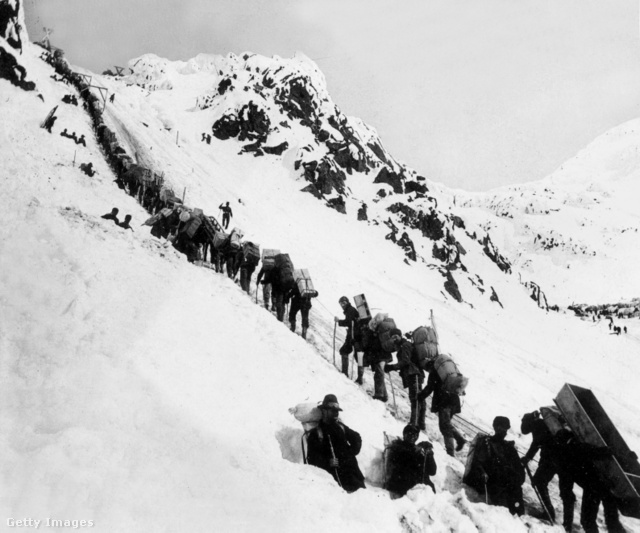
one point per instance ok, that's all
(620, 473)
(362, 306)
(269, 258)
(304, 283)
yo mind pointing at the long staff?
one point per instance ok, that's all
(333, 455)
(546, 511)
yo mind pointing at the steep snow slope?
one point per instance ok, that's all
(145, 394)
(575, 232)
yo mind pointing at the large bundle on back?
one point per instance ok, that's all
(269, 258)
(472, 469)
(220, 240)
(452, 379)
(285, 271)
(192, 225)
(163, 213)
(250, 254)
(235, 239)
(304, 283)
(383, 325)
(308, 413)
(425, 341)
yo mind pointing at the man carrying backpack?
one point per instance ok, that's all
(299, 303)
(412, 377)
(446, 404)
(350, 321)
(333, 447)
(499, 466)
(408, 463)
(248, 258)
(543, 440)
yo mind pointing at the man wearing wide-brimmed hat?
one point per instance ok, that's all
(333, 447)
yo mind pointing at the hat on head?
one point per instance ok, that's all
(343, 299)
(410, 428)
(501, 421)
(330, 402)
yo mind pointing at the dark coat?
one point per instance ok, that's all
(346, 445)
(542, 440)
(110, 216)
(350, 321)
(406, 366)
(441, 398)
(499, 459)
(408, 465)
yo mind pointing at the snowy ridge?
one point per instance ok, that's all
(145, 394)
(578, 225)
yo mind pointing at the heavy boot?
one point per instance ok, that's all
(293, 326)
(360, 375)
(449, 446)
(345, 364)
(304, 333)
(460, 441)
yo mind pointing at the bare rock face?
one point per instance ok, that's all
(274, 105)
(11, 34)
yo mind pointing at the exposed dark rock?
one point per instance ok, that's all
(431, 226)
(388, 176)
(457, 221)
(362, 212)
(451, 287)
(414, 186)
(13, 71)
(276, 150)
(296, 100)
(226, 127)
(338, 204)
(492, 252)
(224, 85)
(494, 297)
(312, 189)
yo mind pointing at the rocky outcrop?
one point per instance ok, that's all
(11, 35)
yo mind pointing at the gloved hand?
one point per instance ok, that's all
(333, 463)
(525, 460)
(336, 319)
(389, 368)
(485, 477)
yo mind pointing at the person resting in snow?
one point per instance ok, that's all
(408, 463)
(333, 447)
(125, 223)
(112, 216)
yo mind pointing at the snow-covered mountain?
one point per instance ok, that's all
(577, 231)
(142, 393)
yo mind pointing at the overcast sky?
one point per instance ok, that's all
(473, 93)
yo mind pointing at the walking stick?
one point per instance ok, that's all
(546, 511)
(257, 287)
(486, 493)
(393, 393)
(335, 325)
(415, 400)
(333, 455)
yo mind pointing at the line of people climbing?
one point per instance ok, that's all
(494, 467)
(493, 462)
